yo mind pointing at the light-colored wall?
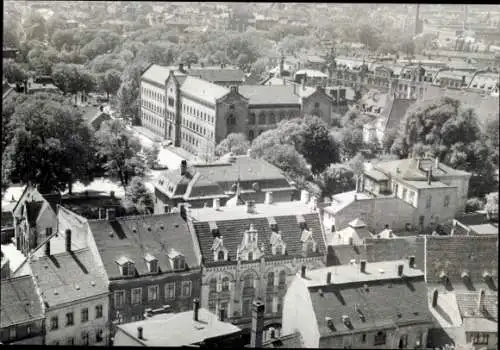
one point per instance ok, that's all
(157, 102)
(171, 114)
(240, 111)
(63, 333)
(437, 213)
(288, 113)
(46, 219)
(462, 184)
(123, 339)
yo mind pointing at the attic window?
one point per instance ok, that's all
(272, 224)
(152, 263)
(127, 266)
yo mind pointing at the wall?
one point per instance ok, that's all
(172, 113)
(437, 212)
(22, 337)
(325, 106)
(153, 107)
(63, 333)
(462, 183)
(280, 113)
(234, 104)
(492, 341)
(46, 219)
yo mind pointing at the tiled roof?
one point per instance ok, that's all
(408, 169)
(217, 74)
(479, 324)
(456, 254)
(68, 277)
(468, 303)
(269, 94)
(370, 296)
(155, 234)
(233, 230)
(179, 329)
(156, 73)
(202, 89)
(20, 301)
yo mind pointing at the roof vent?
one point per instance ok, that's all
(149, 228)
(92, 283)
(320, 292)
(162, 227)
(77, 287)
(346, 320)
(329, 323)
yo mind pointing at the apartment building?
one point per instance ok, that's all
(252, 251)
(349, 306)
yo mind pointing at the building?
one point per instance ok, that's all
(252, 251)
(201, 184)
(198, 327)
(149, 261)
(220, 75)
(354, 234)
(350, 306)
(22, 313)
(75, 296)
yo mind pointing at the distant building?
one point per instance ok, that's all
(22, 312)
(350, 306)
(203, 184)
(251, 251)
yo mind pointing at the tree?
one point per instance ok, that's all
(259, 66)
(137, 197)
(235, 143)
(47, 134)
(110, 81)
(152, 156)
(491, 206)
(335, 179)
(128, 96)
(63, 37)
(291, 162)
(351, 142)
(14, 72)
(357, 166)
(118, 149)
(492, 139)
(369, 35)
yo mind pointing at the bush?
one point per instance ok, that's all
(473, 204)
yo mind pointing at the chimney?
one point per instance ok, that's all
(294, 89)
(221, 65)
(303, 83)
(196, 309)
(269, 198)
(222, 315)
(303, 271)
(183, 167)
(234, 89)
(436, 163)
(412, 261)
(68, 240)
(250, 206)
(434, 298)
(429, 176)
(189, 65)
(314, 203)
(216, 203)
(110, 214)
(47, 248)
(328, 278)
(304, 196)
(181, 67)
(257, 324)
(400, 270)
(363, 266)
(139, 333)
(480, 301)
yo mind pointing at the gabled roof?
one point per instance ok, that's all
(202, 89)
(68, 277)
(155, 235)
(357, 223)
(217, 74)
(232, 231)
(157, 73)
(20, 301)
(269, 94)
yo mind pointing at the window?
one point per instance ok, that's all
(71, 341)
(12, 332)
(405, 191)
(363, 338)
(272, 119)
(186, 288)
(98, 311)
(153, 266)
(379, 338)
(251, 135)
(85, 338)
(69, 319)
(170, 101)
(282, 279)
(153, 293)
(421, 220)
(246, 307)
(251, 119)
(269, 304)
(54, 323)
(446, 201)
(98, 336)
(279, 305)
(119, 298)
(250, 256)
(248, 281)
(411, 197)
(212, 285)
(170, 290)
(429, 201)
(480, 338)
(28, 330)
(270, 279)
(262, 118)
(224, 306)
(225, 284)
(48, 231)
(84, 315)
(136, 295)
(212, 305)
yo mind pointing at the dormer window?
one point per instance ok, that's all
(152, 263)
(127, 266)
(308, 243)
(302, 222)
(278, 247)
(272, 224)
(177, 260)
(249, 248)
(220, 252)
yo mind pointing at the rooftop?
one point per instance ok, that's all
(289, 341)
(312, 73)
(342, 200)
(20, 301)
(217, 74)
(159, 74)
(179, 329)
(269, 94)
(68, 277)
(203, 89)
(134, 237)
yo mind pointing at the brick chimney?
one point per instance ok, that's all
(269, 198)
(183, 167)
(400, 270)
(140, 333)
(216, 203)
(68, 240)
(362, 266)
(480, 301)
(47, 248)
(434, 298)
(257, 324)
(234, 89)
(303, 271)
(314, 203)
(196, 309)
(412, 261)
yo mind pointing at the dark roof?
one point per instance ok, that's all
(155, 234)
(232, 233)
(20, 301)
(32, 211)
(214, 75)
(396, 112)
(68, 277)
(290, 341)
(337, 300)
(269, 94)
(98, 119)
(468, 304)
(456, 254)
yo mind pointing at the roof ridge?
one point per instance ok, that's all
(76, 251)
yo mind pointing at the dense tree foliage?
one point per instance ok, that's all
(235, 143)
(109, 82)
(335, 179)
(14, 72)
(137, 197)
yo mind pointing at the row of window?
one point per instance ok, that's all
(152, 106)
(409, 196)
(202, 116)
(70, 320)
(13, 331)
(153, 120)
(153, 293)
(85, 338)
(189, 138)
(246, 306)
(193, 126)
(272, 118)
(153, 95)
(248, 282)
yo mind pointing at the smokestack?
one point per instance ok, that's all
(216, 203)
(436, 163)
(362, 266)
(269, 198)
(257, 324)
(434, 298)
(47, 248)
(196, 309)
(328, 278)
(400, 270)
(68, 240)
(412, 262)
(183, 167)
(303, 271)
(139, 333)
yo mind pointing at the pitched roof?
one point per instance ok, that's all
(155, 234)
(269, 94)
(396, 112)
(407, 169)
(357, 223)
(20, 301)
(202, 89)
(456, 254)
(232, 230)
(157, 73)
(217, 74)
(68, 277)
(350, 291)
(468, 303)
(179, 329)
